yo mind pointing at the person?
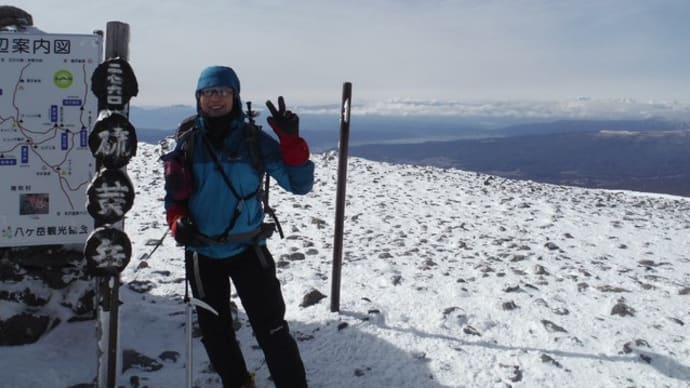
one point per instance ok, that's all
(218, 216)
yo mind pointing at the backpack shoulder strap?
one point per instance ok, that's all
(253, 141)
(253, 137)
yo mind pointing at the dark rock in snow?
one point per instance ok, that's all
(27, 297)
(560, 311)
(532, 286)
(34, 276)
(648, 263)
(311, 298)
(297, 256)
(517, 374)
(169, 355)
(628, 347)
(676, 320)
(359, 372)
(10, 272)
(552, 327)
(471, 331)
(385, 255)
(545, 358)
(141, 286)
(540, 270)
(551, 246)
(318, 222)
(622, 309)
(512, 289)
(454, 316)
(608, 288)
(517, 258)
(24, 329)
(133, 359)
(450, 310)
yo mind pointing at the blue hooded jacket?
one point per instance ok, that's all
(212, 204)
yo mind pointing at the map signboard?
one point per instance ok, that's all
(46, 114)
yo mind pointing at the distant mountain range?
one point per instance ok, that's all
(641, 160)
(645, 155)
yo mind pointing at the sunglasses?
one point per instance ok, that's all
(210, 92)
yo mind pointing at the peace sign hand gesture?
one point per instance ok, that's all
(283, 122)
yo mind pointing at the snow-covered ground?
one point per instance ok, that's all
(450, 279)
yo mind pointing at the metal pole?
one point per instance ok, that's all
(340, 195)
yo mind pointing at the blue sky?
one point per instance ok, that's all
(406, 49)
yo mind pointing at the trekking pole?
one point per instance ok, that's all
(188, 329)
(251, 114)
(158, 244)
(340, 195)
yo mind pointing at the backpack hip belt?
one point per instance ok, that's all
(264, 231)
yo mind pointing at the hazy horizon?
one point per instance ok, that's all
(580, 107)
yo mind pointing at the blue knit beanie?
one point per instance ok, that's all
(215, 76)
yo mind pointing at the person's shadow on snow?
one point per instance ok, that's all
(355, 358)
(335, 353)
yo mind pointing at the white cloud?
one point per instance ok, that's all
(577, 108)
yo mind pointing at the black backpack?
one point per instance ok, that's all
(187, 132)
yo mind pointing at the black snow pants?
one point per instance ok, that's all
(259, 291)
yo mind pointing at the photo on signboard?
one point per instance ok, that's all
(34, 203)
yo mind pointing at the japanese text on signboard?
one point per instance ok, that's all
(35, 46)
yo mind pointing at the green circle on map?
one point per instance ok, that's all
(63, 79)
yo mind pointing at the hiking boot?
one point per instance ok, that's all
(250, 383)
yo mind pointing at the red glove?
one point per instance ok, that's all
(173, 214)
(182, 228)
(285, 124)
(294, 150)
